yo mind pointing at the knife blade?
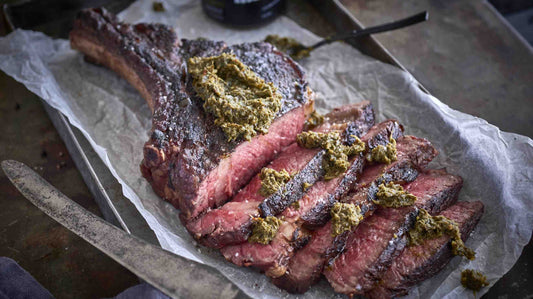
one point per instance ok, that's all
(173, 275)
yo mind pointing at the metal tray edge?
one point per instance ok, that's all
(85, 167)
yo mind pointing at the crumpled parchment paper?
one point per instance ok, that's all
(497, 167)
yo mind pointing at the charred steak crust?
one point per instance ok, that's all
(393, 249)
(354, 119)
(418, 263)
(293, 190)
(467, 214)
(188, 159)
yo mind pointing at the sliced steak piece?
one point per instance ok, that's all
(354, 121)
(231, 223)
(188, 159)
(306, 265)
(412, 154)
(435, 190)
(272, 258)
(418, 263)
(370, 249)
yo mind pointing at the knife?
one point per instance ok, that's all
(175, 276)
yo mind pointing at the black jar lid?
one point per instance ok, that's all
(243, 12)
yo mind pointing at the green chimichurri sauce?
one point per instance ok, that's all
(243, 103)
(473, 280)
(289, 46)
(264, 229)
(314, 120)
(272, 180)
(295, 205)
(336, 159)
(430, 227)
(393, 196)
(344, 217)
(158, 6)
(383, 154)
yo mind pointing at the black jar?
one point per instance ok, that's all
(243, 12)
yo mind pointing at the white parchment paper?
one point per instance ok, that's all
(497, 167)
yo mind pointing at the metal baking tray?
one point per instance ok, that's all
(106, 190)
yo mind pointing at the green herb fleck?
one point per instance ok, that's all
(473, 280)
(306, 186)
(296, 205)
(243, 104)
(431, 227)
(272, 180)
(314, 120)
(344, 216)
(393, 196)
(158, 6)
(264, 229)
(336, 159)
(383, 154)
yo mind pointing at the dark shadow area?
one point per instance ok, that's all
(519, 14)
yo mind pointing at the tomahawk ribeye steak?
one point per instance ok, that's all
(188, 159)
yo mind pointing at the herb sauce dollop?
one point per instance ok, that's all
(430, 227)
(272, 180)
(243, 104)
(393, 196)
(383, 154)
(344, 216)
(264, 229)
(473, 280)
(337, 153)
